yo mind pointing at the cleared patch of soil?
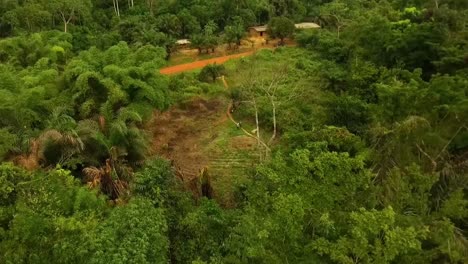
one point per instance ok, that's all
(199, 135)
(243, 143)
(179, 134)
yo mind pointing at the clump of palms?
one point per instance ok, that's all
(99, 134)
(57, 144)
(125, 146)
(113, 178)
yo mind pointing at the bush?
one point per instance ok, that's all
(210, 72)
(351, 113)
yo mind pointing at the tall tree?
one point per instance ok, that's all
(336, 14)
(235, 31)
(69, 10)
(116, 7)
(281, 27)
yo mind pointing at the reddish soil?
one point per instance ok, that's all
(202, 63)
(220, 60)
(181, 133)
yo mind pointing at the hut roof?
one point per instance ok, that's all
(183, 42)
(306, 25)
(260, 28)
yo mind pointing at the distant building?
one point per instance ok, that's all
(183, 43)
(307, 25)
(261, 31)
(258, 32)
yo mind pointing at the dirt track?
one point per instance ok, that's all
(202, 63)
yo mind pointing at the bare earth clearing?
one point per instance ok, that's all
(198, 135)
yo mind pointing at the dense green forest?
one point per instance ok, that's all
(361, 133)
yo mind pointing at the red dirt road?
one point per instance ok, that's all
(202, 63)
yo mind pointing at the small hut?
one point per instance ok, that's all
(258, 32)
(183, 43)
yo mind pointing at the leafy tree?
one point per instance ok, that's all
(68, 10)
(351, 113)
(207, 40)
(134, 233)
(210, 72)
(9, 141)
(294, 9)
(335, 13)
(281, 27)
(235, 32)
(211, 40)
(30, 16)
(154, 181)
(55, 217)
(169, 24)
(189, 23)
(373, 237)
(295, 197)
(201, 232)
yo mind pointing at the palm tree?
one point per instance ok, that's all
(113, 178)
(59, 143)
(126, 146)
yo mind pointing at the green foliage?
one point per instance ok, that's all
(54, 217)
(153, 182)
(351, 113)
(335, 14)
(200, 234)
(372, 237)
(210, 72)
(66, 10)
(207, 40)
(366, 164)
(134, 233)
(31, 17)
(9, 141)
(281, 27)
(235, 32)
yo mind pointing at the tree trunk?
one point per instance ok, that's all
(67, 21)
(116, 7)
(206, 186)
(259, 142)
(150, 5)
(274, 121)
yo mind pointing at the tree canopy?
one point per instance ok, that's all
(349, 147)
